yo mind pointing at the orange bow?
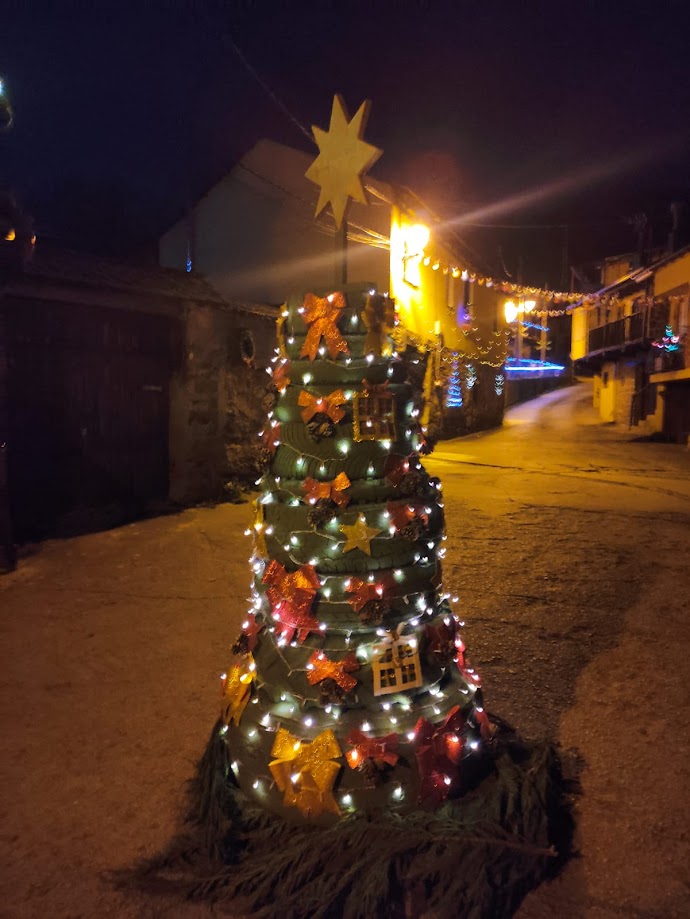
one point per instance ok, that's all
(327, 405)
(320, 668)
(327, 491)
(321, 315)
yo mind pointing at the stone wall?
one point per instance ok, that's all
(218, 402)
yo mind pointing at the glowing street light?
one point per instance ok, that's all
(511, 311)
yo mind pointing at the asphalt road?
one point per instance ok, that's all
(569, 546)
(569, 543)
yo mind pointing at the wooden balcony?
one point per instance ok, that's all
(631, 332)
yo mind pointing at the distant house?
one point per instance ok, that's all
(633, 338)
(254, 236)
(122, 388)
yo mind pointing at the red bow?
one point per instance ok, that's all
(439, 750)
(280, 377)
(383, 750)
(364, 591)
(396, 468)
(328, 405)
(251, 629)
(291, 595)
(327, 491)
(320, 668)
(270, 437)
(402, 513)
(376, 389)
(321, 315)
(440, 636)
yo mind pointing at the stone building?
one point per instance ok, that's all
(124, 389)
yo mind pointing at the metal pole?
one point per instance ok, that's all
(341, 254)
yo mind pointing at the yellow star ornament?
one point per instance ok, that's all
(359, 535)
(343, 159)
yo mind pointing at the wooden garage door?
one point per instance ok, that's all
(88, 415)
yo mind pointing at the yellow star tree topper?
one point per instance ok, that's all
(343, 159)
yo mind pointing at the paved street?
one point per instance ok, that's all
(569, 547)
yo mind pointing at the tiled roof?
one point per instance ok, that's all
(95, 271)
(83, 270)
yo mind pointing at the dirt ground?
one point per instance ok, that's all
(569, 545)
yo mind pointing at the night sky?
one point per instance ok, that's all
(123, 115)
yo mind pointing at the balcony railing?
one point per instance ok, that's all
(639, 328)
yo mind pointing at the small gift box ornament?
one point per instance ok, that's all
(373, 413)
(395, 663)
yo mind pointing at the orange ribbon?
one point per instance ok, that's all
(321, 315)
(327, 491)
(327, 405)
(320, 668)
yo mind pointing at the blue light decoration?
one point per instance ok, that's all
(669, 342)
(454, 392)
(470, 376)
(499, 384)
(527, 369)
(533, 325)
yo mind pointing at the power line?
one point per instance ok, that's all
(264, 85)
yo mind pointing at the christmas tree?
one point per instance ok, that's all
(352, 689)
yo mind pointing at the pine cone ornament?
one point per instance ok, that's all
(331, 693)
(241, 645)
(320, 427)
(373, 611)
(414, 530)
(265, 458)
(413, 485)
(321, 512)
(370, 772)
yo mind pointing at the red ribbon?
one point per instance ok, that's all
(327, 491)
(320, 668)
(383, 750)
(439, 636)
(321, 315)
(291, 595)
(396, 468)
(376, 389)
(251, 630)
(402, 513)
(270, 437)
(364, 591)
(438, 752)
(328, 405)
(281, 380)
